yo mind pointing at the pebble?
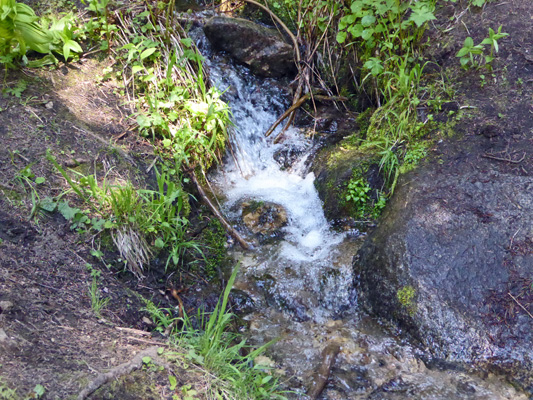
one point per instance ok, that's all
(5, 306)
(49, 105)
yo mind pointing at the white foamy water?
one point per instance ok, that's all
(255, 105)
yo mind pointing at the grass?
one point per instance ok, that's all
(228, 362)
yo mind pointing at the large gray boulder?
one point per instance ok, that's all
(451, 261)
(260, 48)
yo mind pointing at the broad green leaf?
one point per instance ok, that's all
(66, 211)
(136, 68)
(368, 20)
(341, 37)
(148, 52)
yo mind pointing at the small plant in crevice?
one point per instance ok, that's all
(360, 197)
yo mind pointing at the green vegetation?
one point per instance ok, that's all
(21, 30)
(140, 221)
(97, 302)
(219, 351)
(406, 297)
(474, 55)
(7, 393)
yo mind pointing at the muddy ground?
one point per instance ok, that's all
(49, 334)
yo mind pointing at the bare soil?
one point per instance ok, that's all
(49, 334)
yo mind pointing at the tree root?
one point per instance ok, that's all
(244, 244)
(122, 369)
(321, 376)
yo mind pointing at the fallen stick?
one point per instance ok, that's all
(321, 376)
(244, 244)
(295, 106)
(133, 331)
(504, 159)
(120, 370)
(521, 306)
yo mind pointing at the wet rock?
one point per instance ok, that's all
(5, 306)
(287, 156)
(333, 167)
(263, 217)
(441, 264)
(260, 48)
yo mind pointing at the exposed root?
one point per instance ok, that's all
(122, 369)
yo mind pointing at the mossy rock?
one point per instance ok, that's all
(333, 167)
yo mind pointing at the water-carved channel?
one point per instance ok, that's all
(298, 281)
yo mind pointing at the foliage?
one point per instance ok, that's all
(131, 215)
(7, 393)
(406, 296)
(176, 107)
(97, 302)
(357, 192)
(99, 27)
(474, 55)
(21, 30)
(219, 351)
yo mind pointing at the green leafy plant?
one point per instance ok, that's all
(474, 55)
(357, 192)
(98, 303)
(21, 30)
(140, 221)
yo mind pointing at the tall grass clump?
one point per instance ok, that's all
(228, 362)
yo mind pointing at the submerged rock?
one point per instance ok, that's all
(452, 260)
(260, 48)
(263, 217)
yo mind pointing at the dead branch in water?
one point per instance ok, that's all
(244, 244)
(321, 376)
(295, 106)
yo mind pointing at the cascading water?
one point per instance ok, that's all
(301, 283)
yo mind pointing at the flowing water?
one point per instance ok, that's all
(298, 281)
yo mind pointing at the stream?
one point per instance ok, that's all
(298, 282)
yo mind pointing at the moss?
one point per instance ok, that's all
(215, 253)
(406, 296)
(363, 120)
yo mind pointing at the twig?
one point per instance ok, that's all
(504, 159)
(520, 305)
(244, 244)
(134, 331)
(147, 341)
(102, 140)
(21, 156)
(120, 370)
(296, 106)
(152, 164)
